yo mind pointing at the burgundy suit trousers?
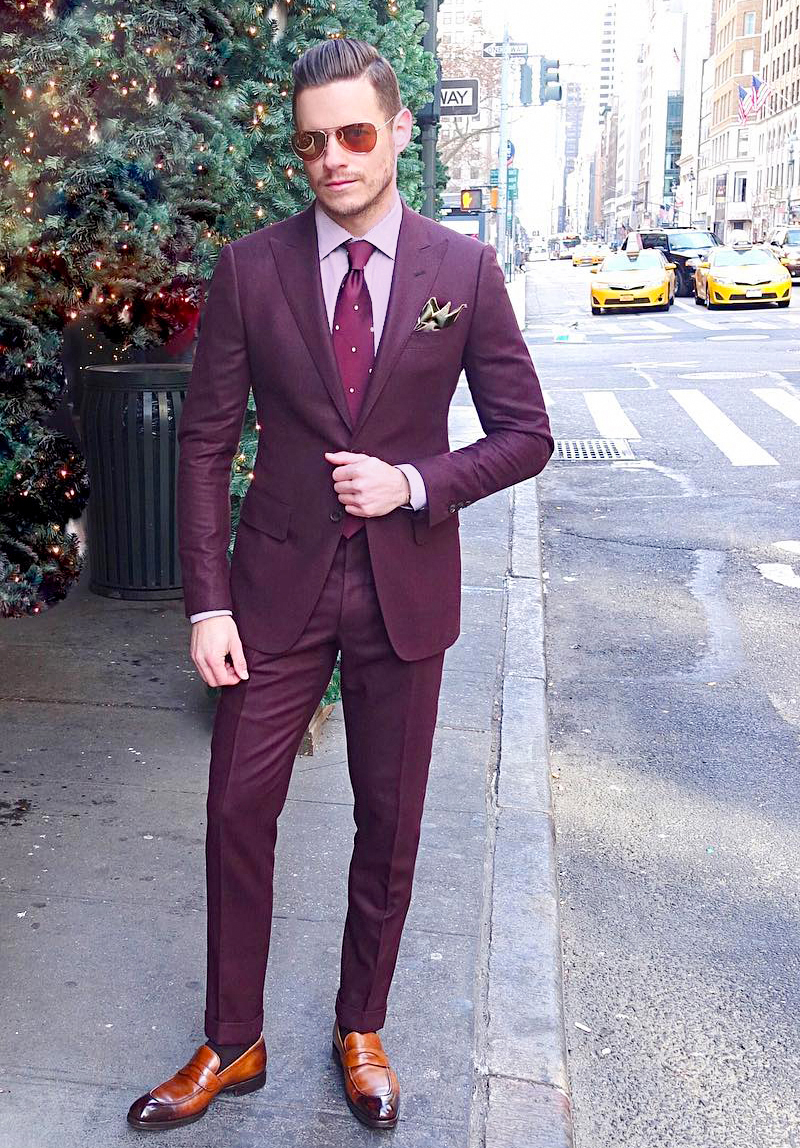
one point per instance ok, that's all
(390, 714)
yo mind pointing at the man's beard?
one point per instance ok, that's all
(344, 211)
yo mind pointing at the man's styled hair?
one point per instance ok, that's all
(346, 59)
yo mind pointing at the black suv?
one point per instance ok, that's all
(785, 243)
(683, 246)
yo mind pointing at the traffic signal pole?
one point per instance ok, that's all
(428, 118)
(502, 165)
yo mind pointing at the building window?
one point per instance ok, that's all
(742, 143)
(740, 187)
(748, 58)
(749, 24)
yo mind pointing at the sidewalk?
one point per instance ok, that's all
(105, 755)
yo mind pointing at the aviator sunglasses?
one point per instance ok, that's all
(358, 138)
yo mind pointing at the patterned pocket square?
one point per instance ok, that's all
(435, 317)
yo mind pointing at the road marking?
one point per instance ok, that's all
(760, 325)
(609, 417)
(655, 325)
(636, 366)
(779, 572)
(781, 401)
(608, 327)
(790, 546)
(715, 376)
(736, 338)
(698, 321)
(725, 435)
(634, 335)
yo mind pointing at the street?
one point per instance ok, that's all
(672, 597)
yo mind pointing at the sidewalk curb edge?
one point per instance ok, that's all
(527, 1099)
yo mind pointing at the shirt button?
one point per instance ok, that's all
(336, 515)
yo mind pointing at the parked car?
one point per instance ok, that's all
(632, 279)
(683, 246)
(785, 243)
(754, 276)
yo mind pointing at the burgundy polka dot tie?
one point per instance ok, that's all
(353, 339)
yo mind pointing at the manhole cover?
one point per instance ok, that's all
(592, 450)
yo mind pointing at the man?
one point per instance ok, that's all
(348, 542)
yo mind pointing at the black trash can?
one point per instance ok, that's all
(129, 418)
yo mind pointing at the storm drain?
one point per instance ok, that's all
(592, 450)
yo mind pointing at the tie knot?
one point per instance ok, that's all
(358, 252)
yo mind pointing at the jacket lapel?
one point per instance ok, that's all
(297, 260)
(416, 263)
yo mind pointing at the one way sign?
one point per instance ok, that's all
(459, 98)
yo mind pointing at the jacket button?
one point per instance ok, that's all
(336, 515)
(452, 508)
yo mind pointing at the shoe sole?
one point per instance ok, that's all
(240, 1089)
(369, 1121)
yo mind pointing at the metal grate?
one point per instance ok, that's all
(592, 450)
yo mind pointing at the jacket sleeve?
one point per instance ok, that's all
(508, 399)
(208, 435)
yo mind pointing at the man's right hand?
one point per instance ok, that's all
(212, 640)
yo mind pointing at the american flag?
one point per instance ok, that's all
(760, 93)
(745, 104)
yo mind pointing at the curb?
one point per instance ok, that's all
(524, 1052)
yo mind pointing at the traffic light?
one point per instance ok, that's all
(526, 85)
(549, 85)
(471, 198)
(494, 197)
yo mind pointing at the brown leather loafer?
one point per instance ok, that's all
(370, 1084)
(185, 1097)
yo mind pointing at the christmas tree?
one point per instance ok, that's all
(138, 140)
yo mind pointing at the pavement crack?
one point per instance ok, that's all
(632, 542)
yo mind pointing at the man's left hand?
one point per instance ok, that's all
(366, 486)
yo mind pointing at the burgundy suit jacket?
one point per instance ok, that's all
(265, 326)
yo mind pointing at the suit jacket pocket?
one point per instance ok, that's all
(266, 513)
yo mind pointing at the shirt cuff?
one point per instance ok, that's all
(416, 483)
(210, 614)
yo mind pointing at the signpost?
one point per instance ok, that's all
(459, 98)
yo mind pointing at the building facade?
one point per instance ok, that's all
(776, 198)
(699, 48)
(728, 152)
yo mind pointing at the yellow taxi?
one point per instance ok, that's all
(749, 275)
(589, 254)
(633, 279)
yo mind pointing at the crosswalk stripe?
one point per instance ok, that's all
(656, 325)
(781, 401)
(607, 327)
(725, 435)
(699, 321)
(609, 417)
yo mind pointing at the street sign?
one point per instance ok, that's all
(495, 50)
(459, 98)
(513, 180)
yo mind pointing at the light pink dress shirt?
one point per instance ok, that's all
(333, 266)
